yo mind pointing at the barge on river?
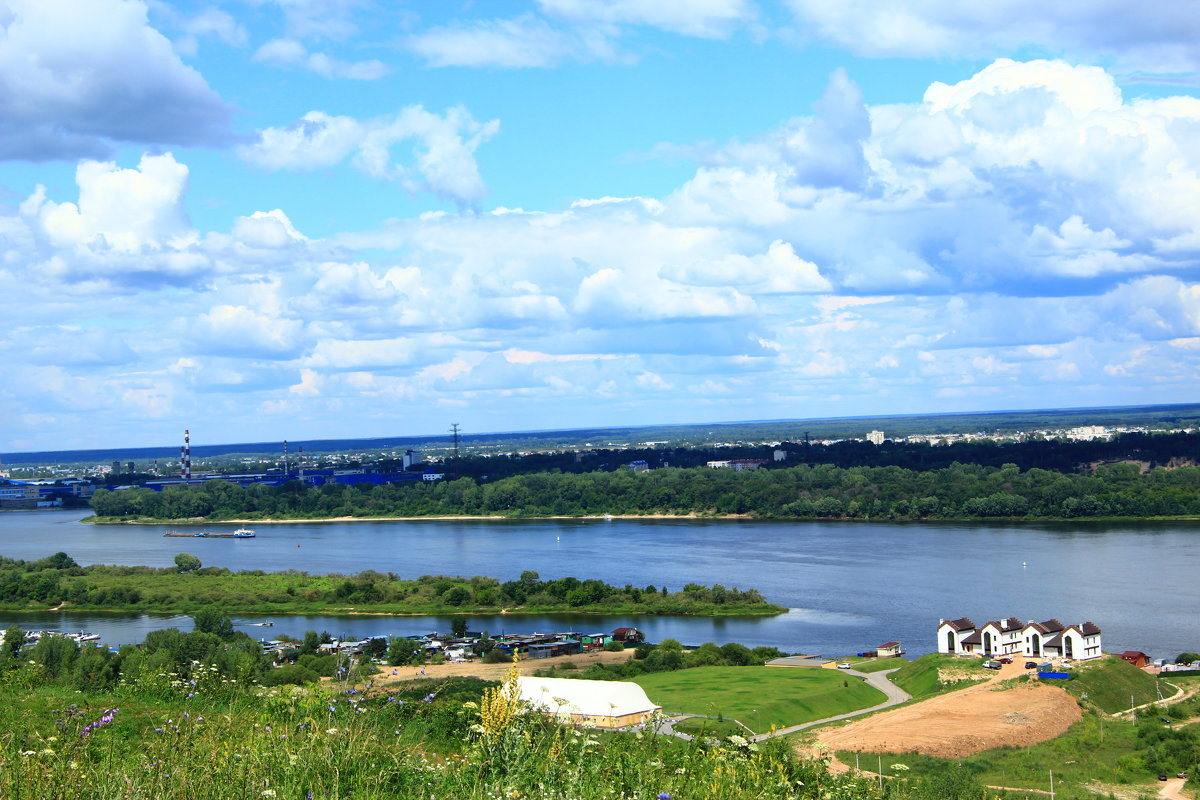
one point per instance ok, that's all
(240, 533)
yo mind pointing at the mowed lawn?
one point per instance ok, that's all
(760, 697)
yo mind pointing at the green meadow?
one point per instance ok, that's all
(761, 698)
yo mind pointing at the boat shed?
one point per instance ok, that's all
(605, 704)
(550, 649)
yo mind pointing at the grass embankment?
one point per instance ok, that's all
(1113, 685)
(437, 740)
(1097, 754)
(760, 697)
(935, 673)
(705, 726)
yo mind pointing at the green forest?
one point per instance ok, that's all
(188, 586)
(819, 491)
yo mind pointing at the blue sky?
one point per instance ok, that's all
(270, 219)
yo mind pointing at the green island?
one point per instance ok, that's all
(821, 491)
(57, 581)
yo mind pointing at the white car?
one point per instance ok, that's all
(843, 666)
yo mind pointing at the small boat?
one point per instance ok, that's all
(244, 533)
(608, 517)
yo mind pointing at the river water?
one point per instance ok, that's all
(849, 586)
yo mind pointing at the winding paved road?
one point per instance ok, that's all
(895, 696)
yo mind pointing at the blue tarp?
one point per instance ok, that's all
(1065, 676)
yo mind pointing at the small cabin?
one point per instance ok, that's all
(889, 649)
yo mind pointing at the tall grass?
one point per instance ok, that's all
(164, 738)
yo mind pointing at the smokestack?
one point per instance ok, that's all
(185, 456)
(285, 459)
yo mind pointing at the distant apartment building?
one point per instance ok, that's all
(875, 437)
(739, 464)
(1087, 433)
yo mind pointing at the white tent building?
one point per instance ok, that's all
(605, 704)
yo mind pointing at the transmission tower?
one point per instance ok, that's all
(454, 430)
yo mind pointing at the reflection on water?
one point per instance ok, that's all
(849, 586)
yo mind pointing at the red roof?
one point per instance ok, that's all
(888, 644)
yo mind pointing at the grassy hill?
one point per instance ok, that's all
(1113, 685)
(760, 697)
(923, 677)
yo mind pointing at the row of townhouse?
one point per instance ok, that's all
(1049, 639)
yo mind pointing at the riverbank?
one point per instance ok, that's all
(96, 520)
(694, 515)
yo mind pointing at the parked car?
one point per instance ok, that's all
(843, 666)
(1030, 665)
(1162, 776)
(1005, 660)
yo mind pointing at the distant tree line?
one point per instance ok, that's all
(1059, 455)
(820, 491)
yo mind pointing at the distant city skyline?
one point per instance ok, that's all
(297, 219)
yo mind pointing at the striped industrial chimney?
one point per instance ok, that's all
(185, 456)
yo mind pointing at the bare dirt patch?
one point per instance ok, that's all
(494, 672)
(962, 723)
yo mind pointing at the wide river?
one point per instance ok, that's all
(849, 586)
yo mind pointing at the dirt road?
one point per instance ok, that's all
(965, 722)
(494, 672)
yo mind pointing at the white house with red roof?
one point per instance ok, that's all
(1011, 637)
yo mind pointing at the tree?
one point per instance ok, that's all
(211, 620)
(458, 627)
(14, 637)
(186, 562)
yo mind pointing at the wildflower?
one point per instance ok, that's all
(158, 730)
(268, 793)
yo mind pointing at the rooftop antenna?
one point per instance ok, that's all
(454, 430)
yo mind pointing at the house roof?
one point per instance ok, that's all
(1128, 654)
(590, 698)
(962, 624)
(1053, 641)
(887, 645)
(974, 638)
(1049, 626)
(1089, 629)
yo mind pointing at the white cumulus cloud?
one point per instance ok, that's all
(76, 78)
(443, 152)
